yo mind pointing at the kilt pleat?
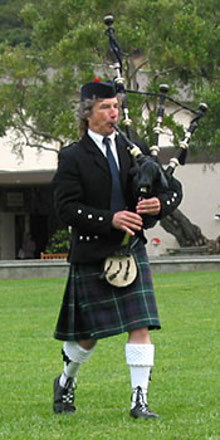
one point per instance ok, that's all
(92, 308)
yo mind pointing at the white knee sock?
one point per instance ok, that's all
(140, 358)
(76, 356)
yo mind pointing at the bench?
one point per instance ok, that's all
(58, 256)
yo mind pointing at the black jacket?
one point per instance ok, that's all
(82, 192)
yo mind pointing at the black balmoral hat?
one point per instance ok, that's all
(97, 89)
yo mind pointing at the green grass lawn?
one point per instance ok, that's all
(185, 387)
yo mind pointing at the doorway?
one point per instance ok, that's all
(39, 232)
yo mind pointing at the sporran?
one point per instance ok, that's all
(120, 269)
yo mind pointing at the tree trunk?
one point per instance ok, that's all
(186, 233)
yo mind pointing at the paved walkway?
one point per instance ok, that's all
(19, 269)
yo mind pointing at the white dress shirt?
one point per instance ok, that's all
(98, 139)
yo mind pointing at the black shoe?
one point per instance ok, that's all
(141, 408)
(64, 397)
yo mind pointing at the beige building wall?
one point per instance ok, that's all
(32, 159)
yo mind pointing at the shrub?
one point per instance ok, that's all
(59, 242)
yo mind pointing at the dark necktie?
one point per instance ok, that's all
(117, 198)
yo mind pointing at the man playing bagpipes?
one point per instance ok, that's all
(94, 194)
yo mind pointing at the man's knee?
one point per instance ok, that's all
(87, 344)
(74, 352)
(139, 336)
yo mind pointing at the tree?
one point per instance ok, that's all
(175, 41)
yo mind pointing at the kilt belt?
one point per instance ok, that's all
(92, 308)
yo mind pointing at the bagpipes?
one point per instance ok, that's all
(149, 172)
(148, 175)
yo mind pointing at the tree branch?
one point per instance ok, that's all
(33, 144)
(37, 145)
(45, 135)
(164, 72)
(138, 68)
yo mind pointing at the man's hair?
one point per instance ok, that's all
(84, 111)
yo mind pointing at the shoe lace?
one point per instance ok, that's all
(68, 394)
(67, 398)
(140, 399)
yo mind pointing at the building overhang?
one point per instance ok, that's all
(31, 177)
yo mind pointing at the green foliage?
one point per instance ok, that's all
(185, 380)
(59, 242)
(13, 31)
(177, 42)
(210, 141)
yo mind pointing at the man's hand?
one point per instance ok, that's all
(127, 221)
(150, 206)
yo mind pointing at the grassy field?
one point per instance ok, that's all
(185, 384)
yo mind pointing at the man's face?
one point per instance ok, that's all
(104, 113)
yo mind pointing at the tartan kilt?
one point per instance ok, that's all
(93, 309)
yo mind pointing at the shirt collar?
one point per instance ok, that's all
(98, 138)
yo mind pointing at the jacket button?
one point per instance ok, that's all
(89, 216)
(100, 219)
(79, 211)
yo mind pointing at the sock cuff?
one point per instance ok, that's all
(75, 352)
(140, 354)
